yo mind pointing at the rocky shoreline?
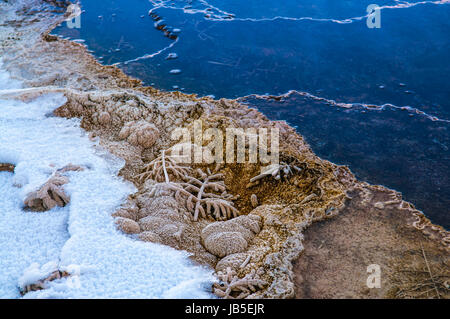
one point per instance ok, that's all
(281, 221)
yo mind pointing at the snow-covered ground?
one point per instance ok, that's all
(80, 237)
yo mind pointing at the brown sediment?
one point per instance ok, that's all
(51, 193)
(253, 254)
(373, 228)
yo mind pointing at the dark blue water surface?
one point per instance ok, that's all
(235, 48)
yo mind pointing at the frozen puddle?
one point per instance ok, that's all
(81, 236)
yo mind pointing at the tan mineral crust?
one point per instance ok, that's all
(308, 234)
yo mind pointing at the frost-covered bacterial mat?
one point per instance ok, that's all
(233, 48)
(81, 237)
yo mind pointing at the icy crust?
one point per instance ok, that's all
(82, 235)
(305, 189)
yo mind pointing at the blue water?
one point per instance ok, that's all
(235, 48)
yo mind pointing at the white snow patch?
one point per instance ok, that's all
(82, 235)
(34, 273)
